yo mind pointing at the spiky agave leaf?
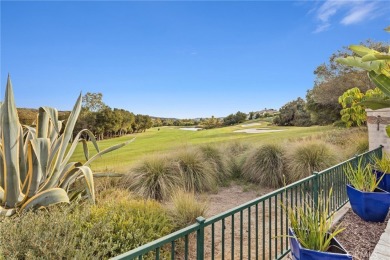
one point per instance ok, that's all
(53, 178)
(45, 198)
(10, 137)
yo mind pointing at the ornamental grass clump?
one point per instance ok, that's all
(186, 208)
(213, 155)
(155, 178)
(197, 174)
(307, 157)
(235, 154)
(312, 224)
(361, 177)
(266, 165)
(35, 160)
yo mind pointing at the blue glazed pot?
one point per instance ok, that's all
(335, 251)
(370, 206)
(384, 184)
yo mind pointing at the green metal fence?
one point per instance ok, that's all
(254, 230)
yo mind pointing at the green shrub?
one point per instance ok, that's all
(266, 165)
(307, 157)
(155, 178)
(198, 175)
(128, 224)
(89, 232)
(186, 208)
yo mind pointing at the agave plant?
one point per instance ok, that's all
(34, 161)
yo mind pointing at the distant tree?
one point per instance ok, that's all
(212, 122)
(93, 101)
(233, 119)
(157, 122)
(293, 113)
(257, 116)
(251, 115)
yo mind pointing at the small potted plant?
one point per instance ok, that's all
(382, 172)
(367, 200)
(310, 233)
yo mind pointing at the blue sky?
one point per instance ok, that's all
(177, 59)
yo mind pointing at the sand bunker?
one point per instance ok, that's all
(191, 128)
(251, 124)
(256, 131)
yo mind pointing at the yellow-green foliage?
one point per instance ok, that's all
(83, 232)
(361, 177)
(382, 164)
(186, 208)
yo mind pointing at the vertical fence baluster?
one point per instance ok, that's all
(212, 241)
(281, 223)
(269, 229)
(276, 223)
(232, 238)
(200, 238)
(249, 233)
(257, 231)
(173, 250)
(186, 247)
(263, 211)
(223, 239)
(241, 233)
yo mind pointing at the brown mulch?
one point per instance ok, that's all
(360, 237)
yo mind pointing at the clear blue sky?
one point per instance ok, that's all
(177, 59)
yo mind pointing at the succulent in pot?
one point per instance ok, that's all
(311, 233)
(367, 200)
(382, 171)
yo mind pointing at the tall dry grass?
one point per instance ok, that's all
(155, 177)
(197, 174)
(266, 165)
(306, 157)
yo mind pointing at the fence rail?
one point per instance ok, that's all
(256, 229)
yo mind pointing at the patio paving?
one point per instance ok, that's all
(382, 249)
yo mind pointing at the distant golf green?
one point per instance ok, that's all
(168, 138)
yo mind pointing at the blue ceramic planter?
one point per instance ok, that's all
(384, 184)
(370, 206)
(336, 251)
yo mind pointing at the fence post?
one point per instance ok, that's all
(200, 238)
(315, 189)
(380, 153)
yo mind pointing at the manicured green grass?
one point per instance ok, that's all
(172, 138)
